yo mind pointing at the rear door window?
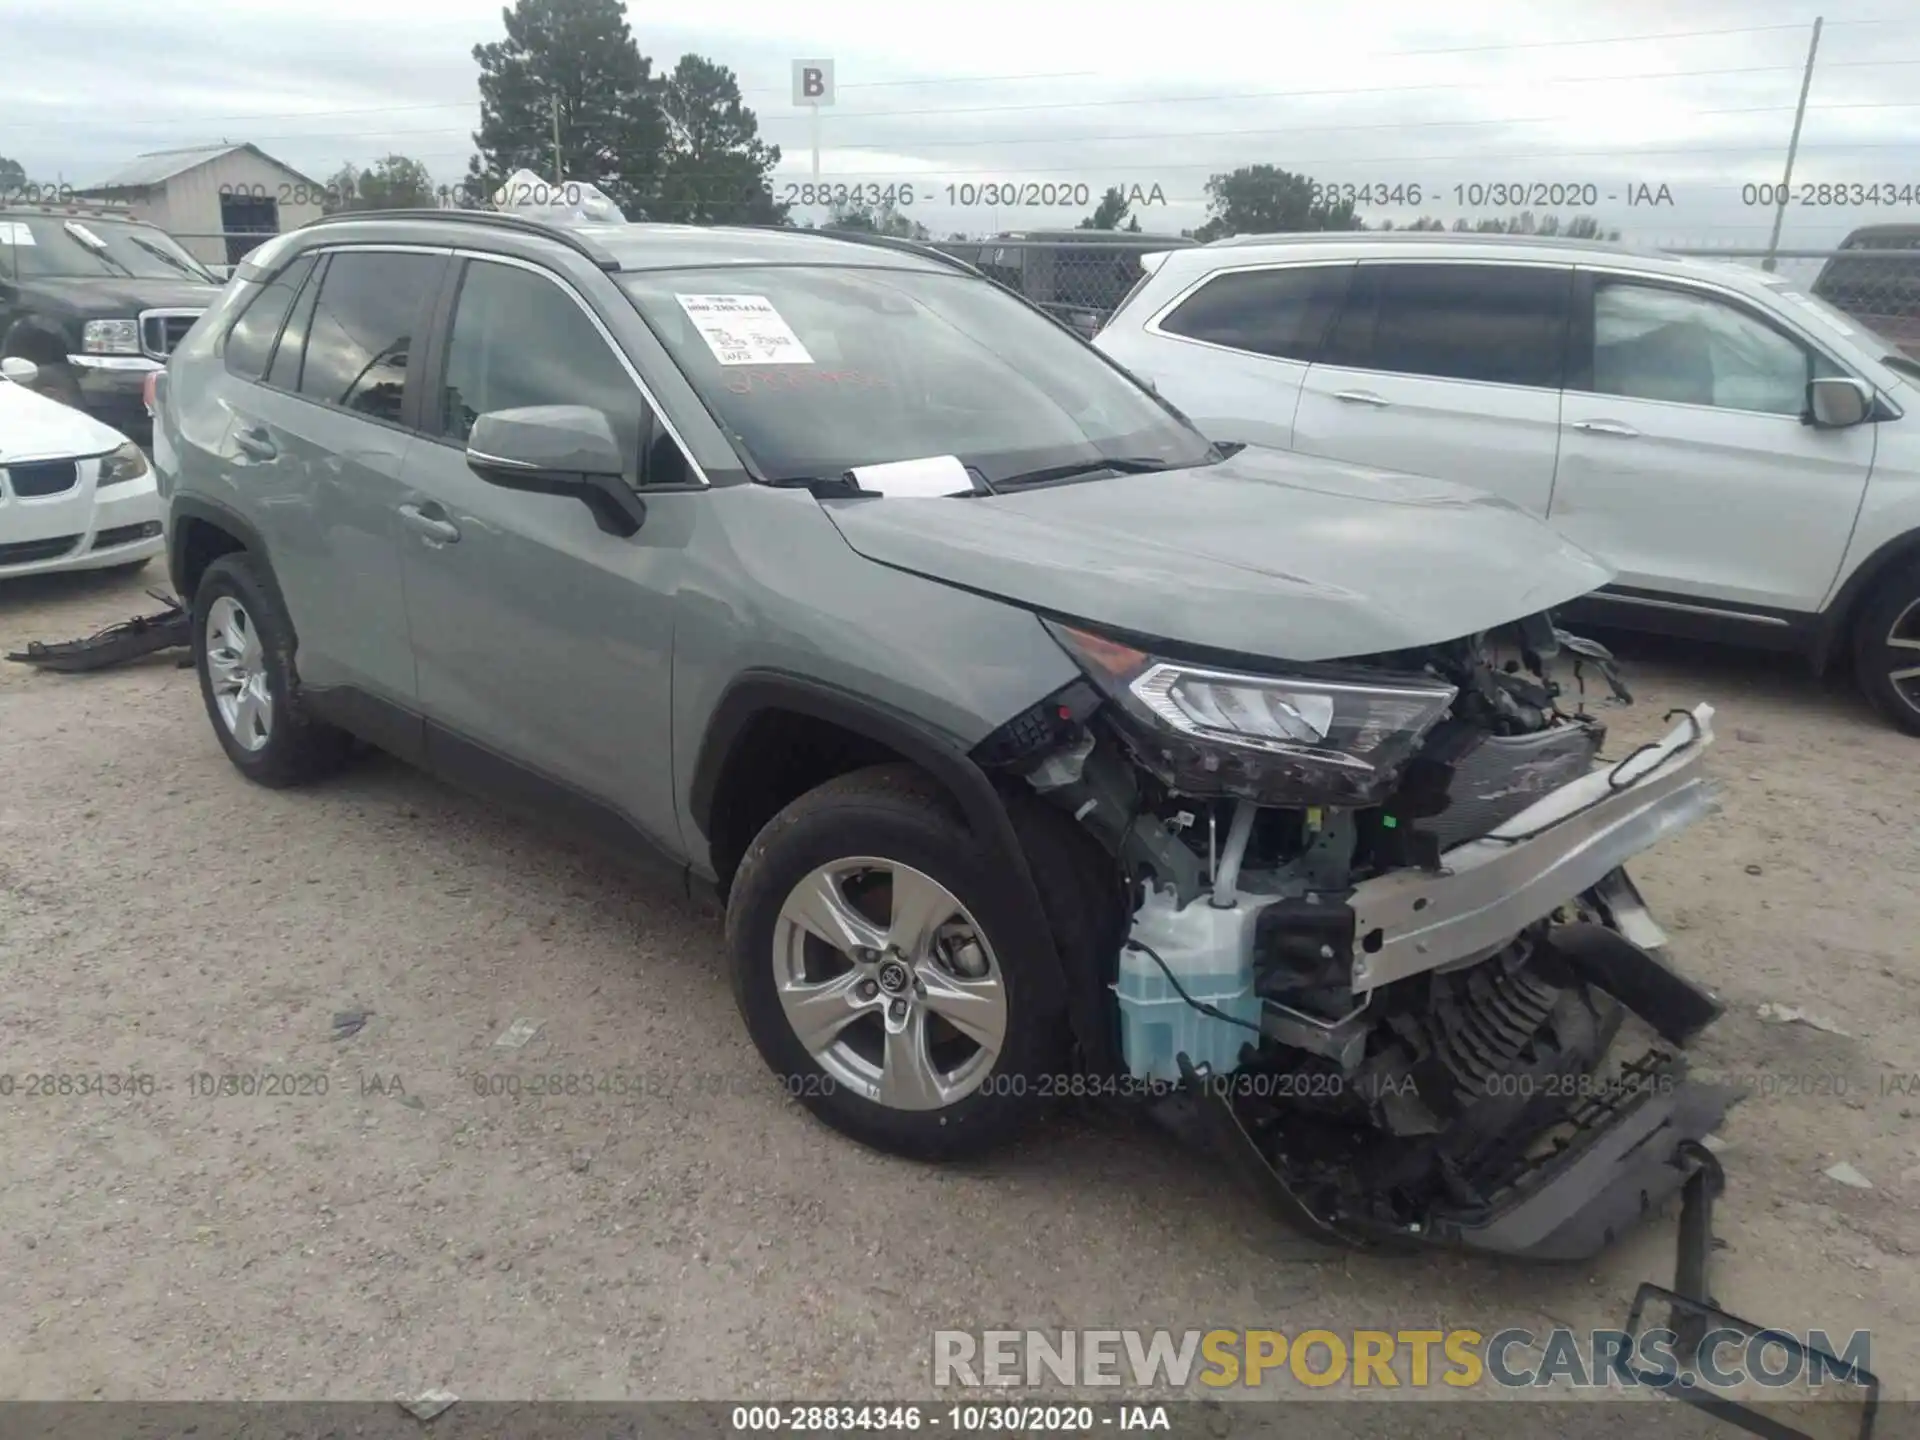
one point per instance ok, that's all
(1497, 324)
(370, 308)
(1282, 312)
(250, 341)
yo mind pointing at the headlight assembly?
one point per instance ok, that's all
(110, 337)
(1280, 739)
(126, 463)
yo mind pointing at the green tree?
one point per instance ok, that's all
(398, 182)
(1586, 227)
(1108, 214)
(574, 65)
(882, 219)
(13, 175)
(1580, 227)
(1266, 200)
(716, 166)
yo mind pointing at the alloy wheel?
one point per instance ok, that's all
(236, 666)
(889, 984)
(1903, 640)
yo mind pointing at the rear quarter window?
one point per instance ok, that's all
(250, 342)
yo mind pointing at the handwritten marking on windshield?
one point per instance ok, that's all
(759, 381)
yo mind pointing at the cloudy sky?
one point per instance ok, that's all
(1695, 95)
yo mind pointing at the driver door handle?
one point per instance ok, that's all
(1360, 397)
(255, 443)
(1607, 427)
(435, 529)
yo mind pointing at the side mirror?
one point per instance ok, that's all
(1837, 402)
(20, 371)
(558, 450)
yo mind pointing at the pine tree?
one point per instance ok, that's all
(576, 59)
(716, 166)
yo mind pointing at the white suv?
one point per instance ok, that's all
(1745, 456)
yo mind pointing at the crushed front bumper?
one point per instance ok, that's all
(1489, 889)
(1633, 1138)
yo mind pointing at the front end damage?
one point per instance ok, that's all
(1380, 946)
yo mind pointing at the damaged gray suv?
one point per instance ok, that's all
(1035, 745)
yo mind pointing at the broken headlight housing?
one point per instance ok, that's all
(1313, 735)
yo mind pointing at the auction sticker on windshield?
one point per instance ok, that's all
(744, 330)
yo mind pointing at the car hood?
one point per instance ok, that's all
(33, 427)
(1266, 553)
(113, 297)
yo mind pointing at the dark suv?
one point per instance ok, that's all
(97, 300)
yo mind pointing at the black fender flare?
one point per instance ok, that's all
(219, 515)
(37, 329)
(755, 691)
(1835, 620)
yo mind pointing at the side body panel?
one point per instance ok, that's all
(769, 588)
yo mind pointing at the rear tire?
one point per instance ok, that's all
(928, 933)
(243, 648)
(1886, 648)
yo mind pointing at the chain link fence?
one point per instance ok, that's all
(1875, 277)
(1080, 278)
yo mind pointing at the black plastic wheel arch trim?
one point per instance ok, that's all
(220, 516)
(756, 691)
(1832, 634)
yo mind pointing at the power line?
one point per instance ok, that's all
(1176, 135)
(919, 142)
(1355, 162)
(1479, 84)
(1490, 48)
(473, 101)
(1797, 28)
(1137, 101)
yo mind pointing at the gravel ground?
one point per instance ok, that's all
(705, 1237)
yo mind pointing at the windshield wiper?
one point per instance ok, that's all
(1115, 465)
(172, 260)
(97, 247)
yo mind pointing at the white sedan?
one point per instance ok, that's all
(74, 494)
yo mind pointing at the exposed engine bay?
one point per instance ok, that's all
(1380, 940)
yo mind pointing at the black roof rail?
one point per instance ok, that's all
(492, 219)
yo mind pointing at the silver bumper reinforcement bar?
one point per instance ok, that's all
(1489, 889)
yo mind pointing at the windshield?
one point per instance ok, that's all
(86, 246)
(817, 370)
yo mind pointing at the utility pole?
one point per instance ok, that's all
(559, 170)
(1793, 147)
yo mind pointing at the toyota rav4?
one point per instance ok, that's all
(1023, 732)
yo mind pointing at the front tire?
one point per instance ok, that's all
(243, 650)
(885, 972)
(1886, 651)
